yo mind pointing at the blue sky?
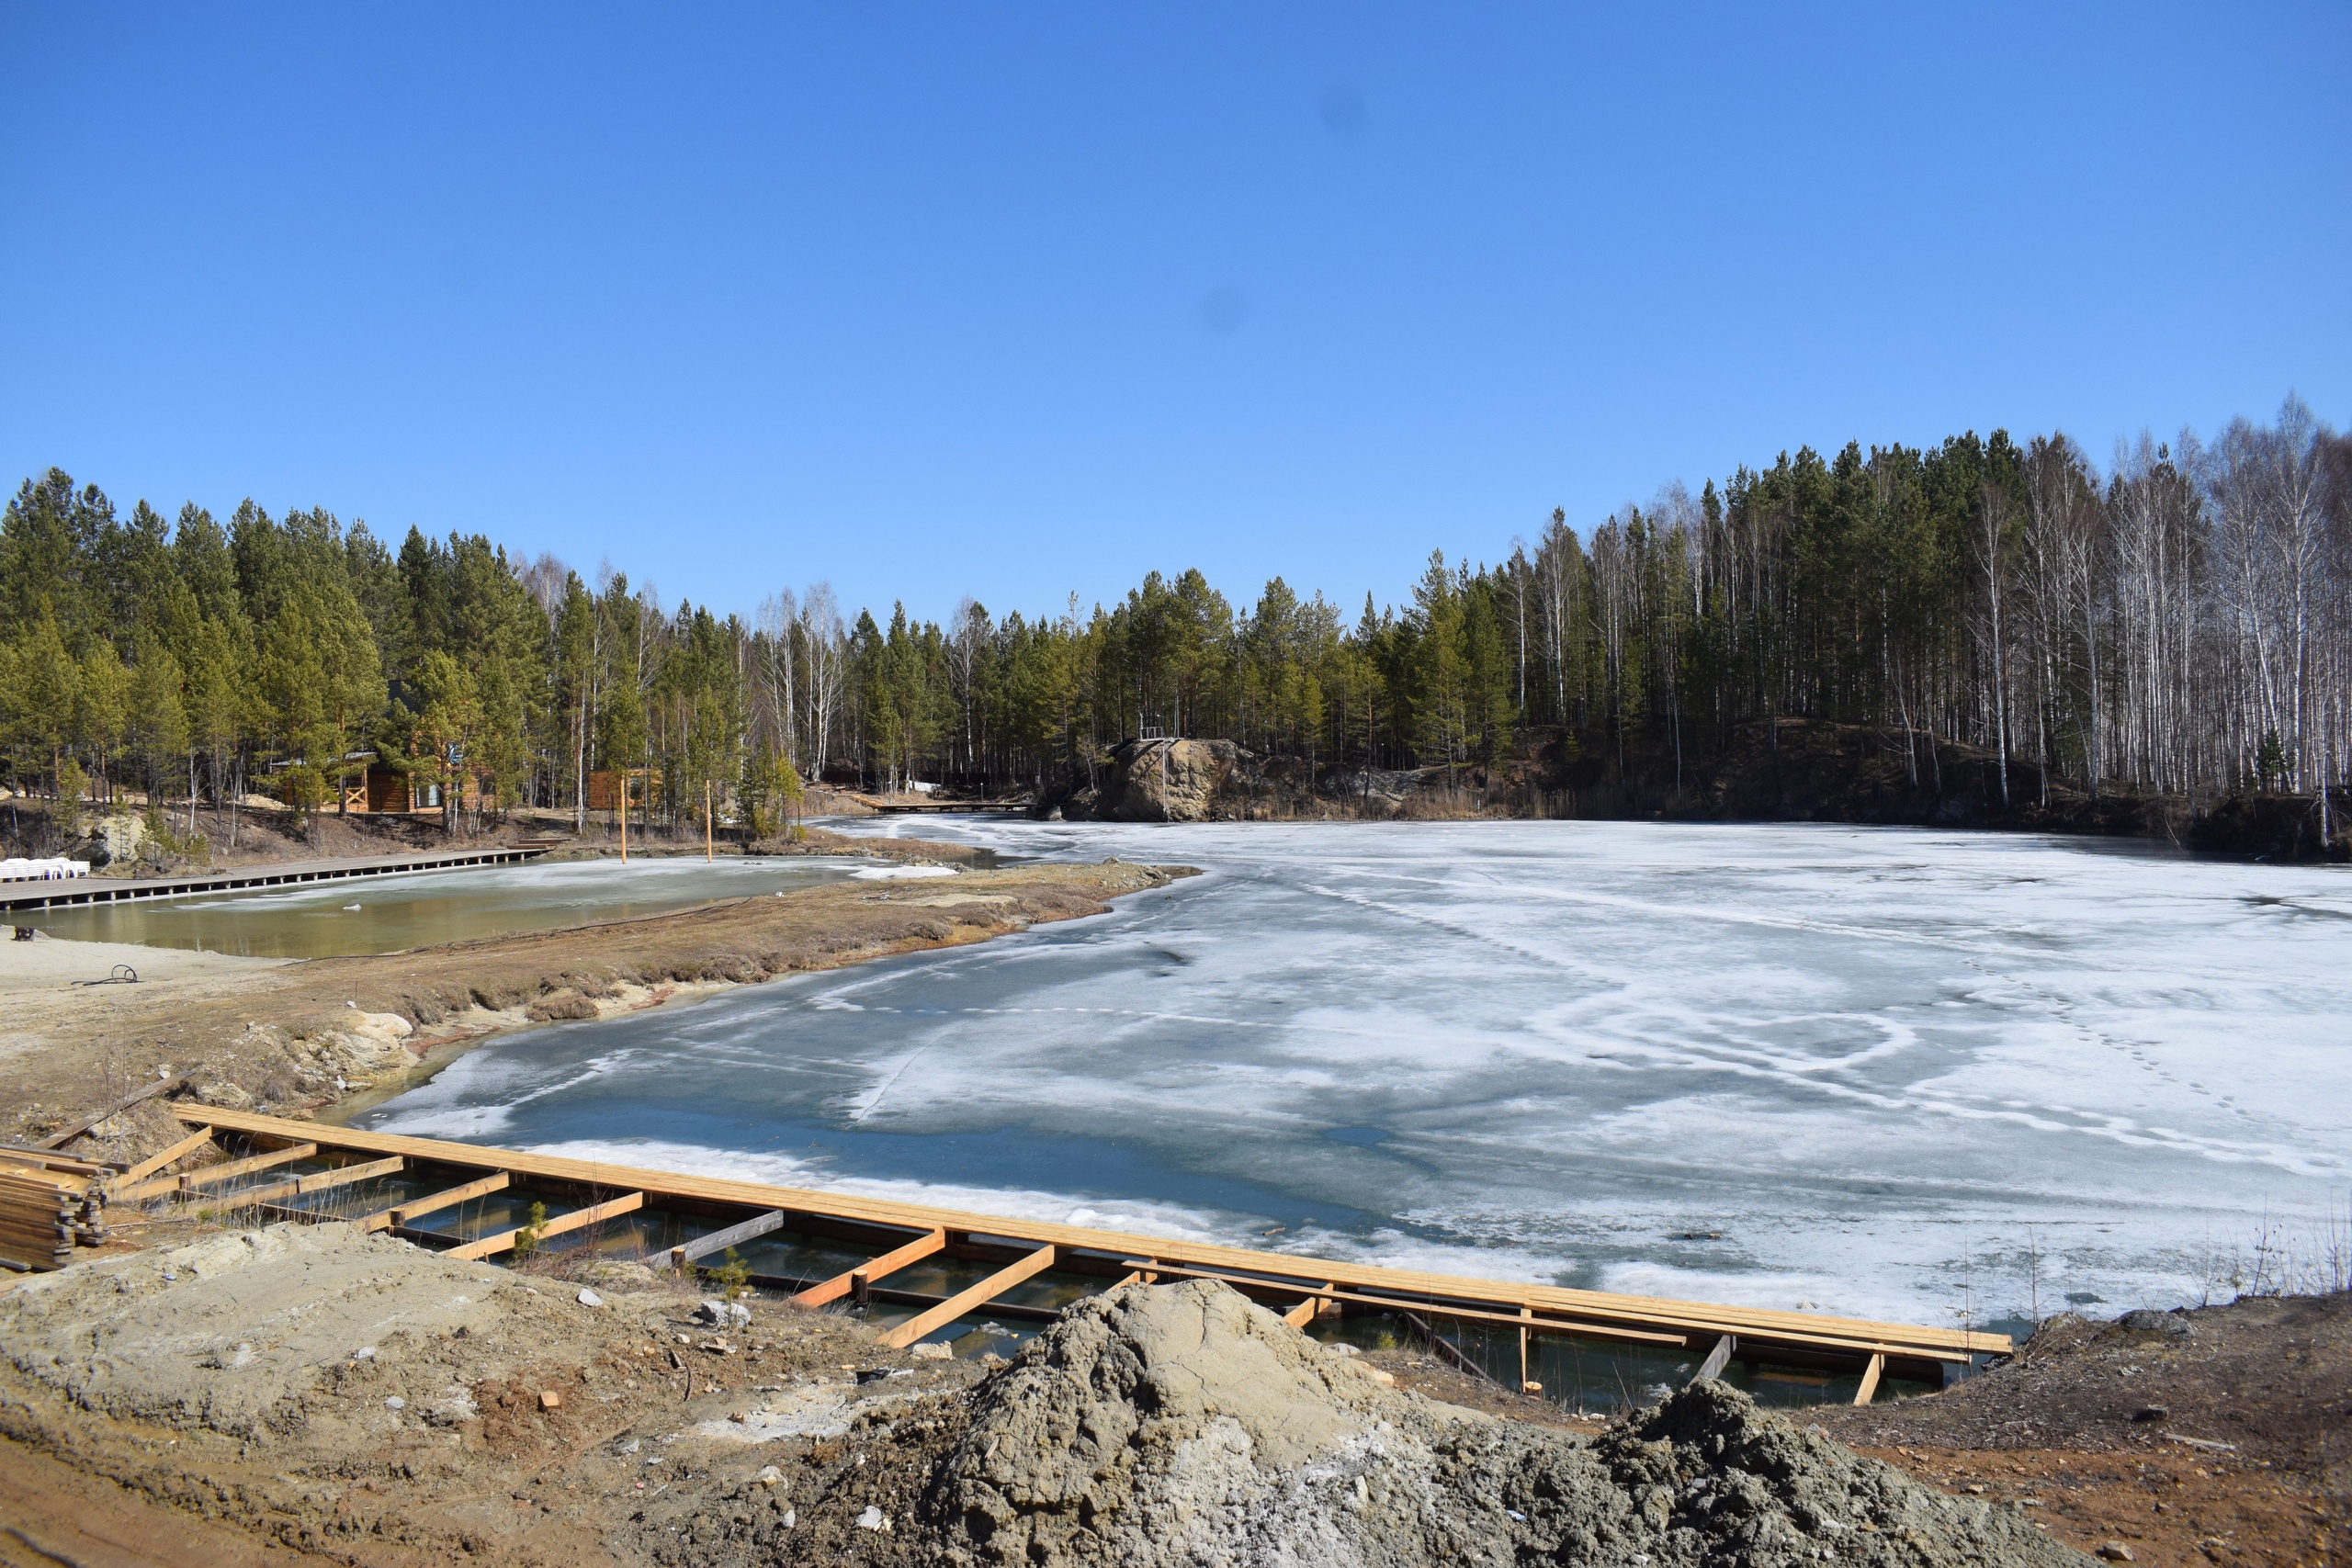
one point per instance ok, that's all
(1023, 300)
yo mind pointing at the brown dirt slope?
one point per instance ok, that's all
(2222, 1435)
(344, 1395)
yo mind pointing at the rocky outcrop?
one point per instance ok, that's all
(1158, 781)
(1170, 1425)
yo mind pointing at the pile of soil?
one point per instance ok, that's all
(346, 1395)
(332, 1392)
(1183, 1425)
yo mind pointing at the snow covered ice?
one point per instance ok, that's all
(1871, 1071)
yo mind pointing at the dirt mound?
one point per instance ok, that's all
(244, 1334)
(1182, 1424)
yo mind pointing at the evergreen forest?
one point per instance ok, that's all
(2177, 621)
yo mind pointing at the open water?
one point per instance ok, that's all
(1921, 1075)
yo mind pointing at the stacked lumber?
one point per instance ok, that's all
(36, 1222)
(47, 1203)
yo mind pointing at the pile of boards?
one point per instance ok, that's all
(48, 1203)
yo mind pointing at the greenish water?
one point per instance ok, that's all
(388, 914)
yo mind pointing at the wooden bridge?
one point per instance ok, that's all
(470, 1202)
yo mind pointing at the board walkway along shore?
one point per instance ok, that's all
(21, 898)
(434, 1192)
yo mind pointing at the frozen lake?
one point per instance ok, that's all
(1886, 1072)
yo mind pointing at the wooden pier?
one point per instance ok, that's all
(21, 898)
(464, 1200)
(899, 805)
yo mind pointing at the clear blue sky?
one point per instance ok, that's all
(1016, 301)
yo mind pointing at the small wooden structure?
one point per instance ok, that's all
(389, 791)
(604, 790)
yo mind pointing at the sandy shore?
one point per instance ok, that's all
(47, 1002)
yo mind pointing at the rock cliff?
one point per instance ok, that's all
(1160, 781)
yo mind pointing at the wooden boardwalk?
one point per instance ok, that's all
(622, 1204)
(17, 898)
(893, 806)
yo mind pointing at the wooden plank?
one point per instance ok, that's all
(1858, 1336)
(558, 1225)
(321, 1180)
(890, 1262)
(211, 1175)
(156, 1162)
(1303, 1313)
(401, 1213)
(720, 1241)
(74, 1130)
(1870, 1379)
(25, 1156)
(1393, 1304)
(1717, 1359)
(1446, 1352)
(67, 1181)
(965, 1300)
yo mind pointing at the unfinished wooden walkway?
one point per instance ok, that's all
(19, 898)
(471, 1201)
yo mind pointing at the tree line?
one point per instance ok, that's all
(2179, 621)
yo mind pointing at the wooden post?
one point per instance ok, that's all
(706, 821)
(623, 782)
(1870, 1378)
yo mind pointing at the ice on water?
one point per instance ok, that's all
(1879, 1071)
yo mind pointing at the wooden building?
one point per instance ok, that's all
(604, 790)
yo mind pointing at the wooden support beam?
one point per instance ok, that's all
(890, 1262)
(401, 1213)
(1717, 1359)
(193, 1181)
(74, 1130)
(965, 1300)
(1303, 1312)
(1870, 1379)
(321, 1180)
(576, 1219)
(1446, 1352)
(720, 1241)
(156, 1162)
